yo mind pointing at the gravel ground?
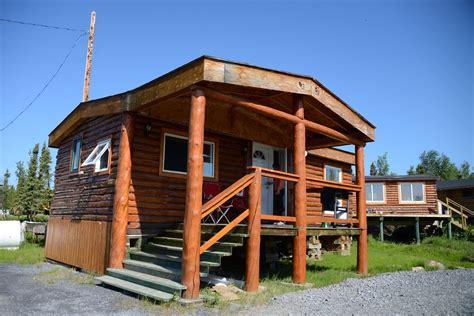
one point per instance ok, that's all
(414, 293)
(48, 289)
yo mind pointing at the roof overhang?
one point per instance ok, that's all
(213, 70)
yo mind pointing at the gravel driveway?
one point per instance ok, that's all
(414, 293)
(47, 289)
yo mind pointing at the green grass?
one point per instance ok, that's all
(27, 254)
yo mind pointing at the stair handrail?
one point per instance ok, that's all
(226, 194)
(462, 207)
(463, 217)
(222, 197)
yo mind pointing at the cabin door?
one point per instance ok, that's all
(266, 156)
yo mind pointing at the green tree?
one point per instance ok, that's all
(8, 192)
(19, 200)
(420, 169)
(438, 164)
(44, 180)
(32, 185)
(373, 169)
(465, 171)
(382, 166)
(411, 171)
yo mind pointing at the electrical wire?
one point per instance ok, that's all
(43, 25)
(47, 83)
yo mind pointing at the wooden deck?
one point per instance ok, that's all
(285, 230)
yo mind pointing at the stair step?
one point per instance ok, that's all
(148, 280)
(168, 260)
(230, 237)
(135, 288)
(178, 242)
(211, 256)
(154, 269)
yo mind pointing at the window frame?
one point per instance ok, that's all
(183, 135)
(76, 138)
(383, 201)
(97, 162)
(400, 200)
(340, 173)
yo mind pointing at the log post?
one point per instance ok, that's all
(417, 230)
(381, 228)
(450, 231)
(362, 259)
(192, 215)
(252, 260)
(299, 242)
(122, 188)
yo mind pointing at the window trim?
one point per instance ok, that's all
(340, 174)
(384, 201)
(411, 202)
(108, 139)
(78, 171)
(184, 135)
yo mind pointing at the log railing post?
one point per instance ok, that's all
(118, 238)
(252, 260)
(299, 242)
(194, 182)
(362, 256)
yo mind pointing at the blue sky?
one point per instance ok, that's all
(407, 66)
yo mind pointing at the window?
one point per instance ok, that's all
(99, 156)
(75, 155)
(175, 155)
(374, 192)
(332, 173)
(412, 192)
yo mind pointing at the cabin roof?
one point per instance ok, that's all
(401, 178)
(455, 184)
(218, 73)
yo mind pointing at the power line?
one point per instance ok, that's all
(43, 25)
(47, 83)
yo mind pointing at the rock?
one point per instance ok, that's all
(418, 269)
(468, 258)
(435, 264)
(226, 293)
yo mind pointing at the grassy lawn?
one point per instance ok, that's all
(27, 254)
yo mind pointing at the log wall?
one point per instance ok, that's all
(159, 199)
(392, 203)
(315, 168)
(457, 196)
(85, 194)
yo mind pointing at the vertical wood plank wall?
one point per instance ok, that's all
(392, 203)
(79, 243)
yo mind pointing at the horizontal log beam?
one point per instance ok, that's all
(268, 111)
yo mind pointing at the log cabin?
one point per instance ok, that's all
(203, 159)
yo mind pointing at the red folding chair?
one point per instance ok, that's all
(210, 190)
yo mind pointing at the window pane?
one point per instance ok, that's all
(176, 154)
(418, 192)
(207, 153)
(208, 166)
(104, 161)
(378, 192)
(75, 155)
(332, 173)
(368, 192)
(405, 191)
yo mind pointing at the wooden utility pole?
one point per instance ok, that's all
(87, 75)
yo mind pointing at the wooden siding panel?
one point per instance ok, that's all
(82, 244)
(392, 203)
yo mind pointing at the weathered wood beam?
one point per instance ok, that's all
(319, 128)
(299, 241)
(122, 190)
(362, 256)
(194, 181)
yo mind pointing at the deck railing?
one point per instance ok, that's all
(459, 214)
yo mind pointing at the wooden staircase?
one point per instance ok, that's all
(154, 270)
(459, 213)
